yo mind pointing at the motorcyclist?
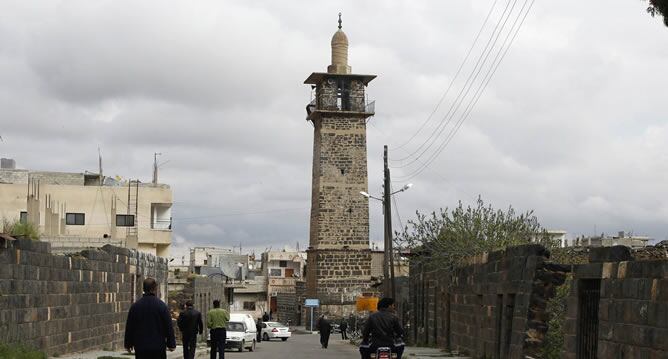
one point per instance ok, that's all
(382, 329)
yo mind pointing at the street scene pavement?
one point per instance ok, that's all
(299, 346)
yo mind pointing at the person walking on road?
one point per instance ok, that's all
(325, 328)
(148, 329)
(216, 321)
(190, 323)
(258, 327)
(344, 327)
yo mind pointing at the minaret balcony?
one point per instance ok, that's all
(367, 109)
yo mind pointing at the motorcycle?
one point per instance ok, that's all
(384, 353)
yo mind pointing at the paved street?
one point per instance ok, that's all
(298, 347)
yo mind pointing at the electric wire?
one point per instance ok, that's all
(486, 80)
(445, 94)
(470, 81)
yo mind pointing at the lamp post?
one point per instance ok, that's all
(389, 287)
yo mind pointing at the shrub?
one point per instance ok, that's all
(16, 351)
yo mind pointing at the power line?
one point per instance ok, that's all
(233, 214)
(486, 80)
(445, 94)
(470, 81)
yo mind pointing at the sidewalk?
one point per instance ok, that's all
(202, 352)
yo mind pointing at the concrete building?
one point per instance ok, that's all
(339, 257)
(621, 239)
(401, 267)
(251, 297)
(79, 210)
(282, 269)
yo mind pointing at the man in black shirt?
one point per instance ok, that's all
(190, 323)
(148, 330)
(382, 329)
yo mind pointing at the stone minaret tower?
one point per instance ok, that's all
(339, 258)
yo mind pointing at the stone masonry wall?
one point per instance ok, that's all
(339, 260)
(64, 304)
(492, 308)
(628, 300)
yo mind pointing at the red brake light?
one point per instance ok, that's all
(274, 330)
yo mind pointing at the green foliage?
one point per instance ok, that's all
(554, 339)
(15, 351)
(659, 7)
(444, 239)
(18, 229)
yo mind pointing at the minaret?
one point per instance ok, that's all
(339, 258)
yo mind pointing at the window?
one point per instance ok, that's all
(276, 272)
(75, 219)
(283, 264)
(249, 305)
(23, 217)
(125, 220)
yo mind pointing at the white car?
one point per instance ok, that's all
(271, 330)
(238, 337)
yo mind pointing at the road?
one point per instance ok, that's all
(299, 346)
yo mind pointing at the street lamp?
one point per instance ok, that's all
(388, 263)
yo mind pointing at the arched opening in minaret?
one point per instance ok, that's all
(343, 102)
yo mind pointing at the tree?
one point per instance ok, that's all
(659, 7)
(444, 238)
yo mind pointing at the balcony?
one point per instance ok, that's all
(365, 108)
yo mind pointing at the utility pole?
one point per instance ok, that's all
(388, 263)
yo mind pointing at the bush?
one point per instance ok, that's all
(18, 229)
(15, 351)
(556, 307)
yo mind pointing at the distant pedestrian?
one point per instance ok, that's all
(325, 328)
(344, 327)
(216, 321)
(265, 317)
(190, 323)
(148, 329)
(258, 327)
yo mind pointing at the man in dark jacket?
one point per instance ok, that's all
(344, 327)
(148, 330)
(258, 327)
(325, 328)
(190, 323)
(382, 329)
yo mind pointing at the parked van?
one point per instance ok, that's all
(250, 335)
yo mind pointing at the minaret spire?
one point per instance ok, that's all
(340, 21)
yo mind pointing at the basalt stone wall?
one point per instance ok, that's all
(70, 303)
(618, 306)
(287, 308)
(494, 307)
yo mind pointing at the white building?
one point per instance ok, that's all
(80, 210)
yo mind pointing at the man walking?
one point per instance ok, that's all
(190, 323)
(148, 329)
(344, 327)
(325, 328)
(216, 321)
(258, 327)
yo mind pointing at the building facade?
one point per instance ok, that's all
(339, 257)
(282, 269)
(79, 210)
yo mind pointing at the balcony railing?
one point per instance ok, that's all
(162, 224)
(369, 108)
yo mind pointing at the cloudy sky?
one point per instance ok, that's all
(571, 125)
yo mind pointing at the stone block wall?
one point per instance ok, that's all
(494, 307)
(618, 307)
(63, 304)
